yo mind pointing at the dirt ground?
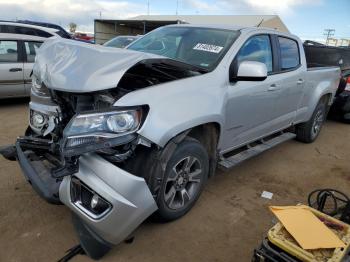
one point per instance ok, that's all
(227, 223)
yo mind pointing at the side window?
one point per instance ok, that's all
(42, 33)
(3, 29)
(31, 48)
(290, 57)
(25, 31)
(11, 29)
(257, 48)
(8, 52)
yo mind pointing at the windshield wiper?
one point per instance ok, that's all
(171, 67)
(183, 65)
(154, 67)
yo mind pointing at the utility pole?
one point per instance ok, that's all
(177, 6)
(148, 7)
(328, 33)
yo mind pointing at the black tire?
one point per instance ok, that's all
(345, 116)
(308, 132)
(346, 121)
(169, 208)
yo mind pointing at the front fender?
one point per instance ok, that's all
(183, 126)
(178, 106)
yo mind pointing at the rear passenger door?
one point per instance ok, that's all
(11, 69)
(30, 49)
(291, 82)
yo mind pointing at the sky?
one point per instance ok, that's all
(305, 18)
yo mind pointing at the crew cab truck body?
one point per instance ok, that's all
(117, 135)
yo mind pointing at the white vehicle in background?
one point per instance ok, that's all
(18, 45)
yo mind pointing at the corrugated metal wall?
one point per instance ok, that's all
(105, 31)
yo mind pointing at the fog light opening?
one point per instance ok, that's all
(94, 201)
(87, 200)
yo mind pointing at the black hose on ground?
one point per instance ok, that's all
(74, 251)
(331, 202)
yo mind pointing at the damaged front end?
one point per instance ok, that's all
(79, 147)
(72, 153)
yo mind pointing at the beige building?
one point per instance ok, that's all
(338, 42)
(106, 29)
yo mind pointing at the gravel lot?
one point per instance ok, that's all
(226, 224)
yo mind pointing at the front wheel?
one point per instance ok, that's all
(308, 132)
(185, 175)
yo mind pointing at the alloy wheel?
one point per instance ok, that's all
(317, 124)
(183, 183)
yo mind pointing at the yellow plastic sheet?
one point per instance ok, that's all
(306, 228)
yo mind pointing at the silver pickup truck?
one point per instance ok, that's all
(120, 134)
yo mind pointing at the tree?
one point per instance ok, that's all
(72, 27)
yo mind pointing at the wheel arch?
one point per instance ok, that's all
(327, 97)
(208, 135)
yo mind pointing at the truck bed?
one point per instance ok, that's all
(319, 56)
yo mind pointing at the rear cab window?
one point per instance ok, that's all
(289, 53)
(8, 51)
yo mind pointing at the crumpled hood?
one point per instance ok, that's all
(74, 66)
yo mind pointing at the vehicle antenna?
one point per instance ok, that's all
(262, 20)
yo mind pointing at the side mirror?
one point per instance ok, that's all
(250, 71)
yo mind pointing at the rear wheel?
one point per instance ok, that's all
(183, 181)
(308, 132)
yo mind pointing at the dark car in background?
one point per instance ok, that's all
(341, 106)
(121, 41)
(322, 55)
(61, 32)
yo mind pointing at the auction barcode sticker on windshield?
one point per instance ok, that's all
(208, 48)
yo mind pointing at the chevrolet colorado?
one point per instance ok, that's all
(120, 134)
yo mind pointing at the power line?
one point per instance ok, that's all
(328, 33)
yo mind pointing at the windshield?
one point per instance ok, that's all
(203, 47)
(120, 41)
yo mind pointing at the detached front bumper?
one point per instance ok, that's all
(38, 173)
(128, 197)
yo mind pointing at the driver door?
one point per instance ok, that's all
(11, 69)
(30, 48)
(250, 104)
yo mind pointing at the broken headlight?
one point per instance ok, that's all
(39, 88)
(103, 129)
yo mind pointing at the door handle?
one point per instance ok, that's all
(300, 82)
(273, 87)
(15, 69)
